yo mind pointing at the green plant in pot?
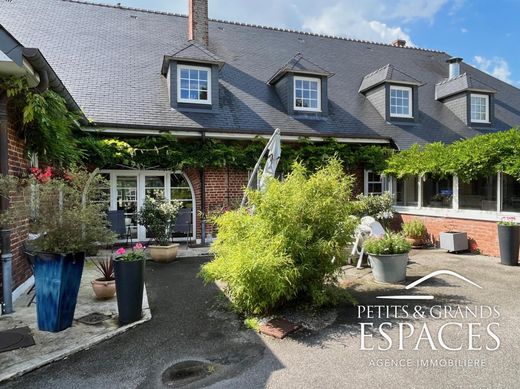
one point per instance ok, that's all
(129, 274)
(414, 231)
(158, 217)
(104, 287)
(67, 223)
(509, 241)
(388, 256)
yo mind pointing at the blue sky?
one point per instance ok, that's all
(483, 32)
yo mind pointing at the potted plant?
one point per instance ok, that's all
(67, 223)
(414, 232)
(105, 286)
(388, 256)
(129, 274)
(158, 217)
(509, 241)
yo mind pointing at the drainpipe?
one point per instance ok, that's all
(5, 233)
(203, 199)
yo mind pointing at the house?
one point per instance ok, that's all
(137, 73)
(17, 60)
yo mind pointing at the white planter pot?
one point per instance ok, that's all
(164, 253)
(453, 241)
(389, 269)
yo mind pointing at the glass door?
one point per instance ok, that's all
(127, 200)
(151, 185)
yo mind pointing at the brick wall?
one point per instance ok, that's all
(17, 164)
(482, 235)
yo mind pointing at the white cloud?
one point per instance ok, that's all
(496, 66)
(464, 30)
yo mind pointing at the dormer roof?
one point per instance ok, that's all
(387, 73)
(301, 65)
(192, 52)
(464, 82)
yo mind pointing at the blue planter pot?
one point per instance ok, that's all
(57, 278)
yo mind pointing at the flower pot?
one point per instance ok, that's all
(164, 253)
(509, 241)
(104, 289)
(57, 279)
(415, 242)
(129, 287)
(389, 269)
(453, 241)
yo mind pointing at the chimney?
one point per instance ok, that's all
(198, 21)
(399, 43)
(454, 63)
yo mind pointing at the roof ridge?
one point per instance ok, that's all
(465, 74)
(377, 70)
(271, 28)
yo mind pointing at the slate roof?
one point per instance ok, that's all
(192, 52)
(387, 73)
(462, 83)
(299, 64)
(110, 60)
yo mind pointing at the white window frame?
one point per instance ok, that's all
(193, 101)
(486, 98)
(314, 79)
(410, 101)
(382, 181)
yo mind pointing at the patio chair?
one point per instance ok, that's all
(183, 224)
(368, 227)
(117, 224)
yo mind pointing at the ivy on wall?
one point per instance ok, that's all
(468, 159)
(45, 123)
(169, 153)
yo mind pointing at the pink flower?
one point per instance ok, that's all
(138, 246)
(120, 251)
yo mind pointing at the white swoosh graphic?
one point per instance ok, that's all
(405, 297)
(437, 273)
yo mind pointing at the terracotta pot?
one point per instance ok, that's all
(164, 253)
(104, 289)
(415, 242)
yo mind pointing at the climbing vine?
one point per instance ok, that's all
(468, 159)
(168, 152)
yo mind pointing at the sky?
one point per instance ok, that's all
(483, 32)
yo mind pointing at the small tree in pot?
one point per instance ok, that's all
(414, 231)
(158, 217)
(388, 257)
(509, 241)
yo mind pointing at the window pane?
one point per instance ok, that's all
(306, 94)
(510, 194)
(438, 193)
(185, 73)
(407, 193)
(203, 75)
(194, 84)
(400, 102)
(479, 194)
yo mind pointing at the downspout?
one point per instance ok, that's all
(5, 233)
(203, 198)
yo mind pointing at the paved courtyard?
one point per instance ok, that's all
(190, 322)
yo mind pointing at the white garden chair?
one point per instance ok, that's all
(368, 227)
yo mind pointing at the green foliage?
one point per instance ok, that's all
(290, 246)
(158, 217)
(46, 123)
(167, 152)
(391, 243)
(414, 229)
(468, 159)
(379, 207)
(252, 323)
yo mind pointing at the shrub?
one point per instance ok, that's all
(158, 217)
(290, 246)
(380, 207)
(414, 229)
(389, 244)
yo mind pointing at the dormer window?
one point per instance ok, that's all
(401, 101)
(307, 94)
(194, 84)
(479, 108)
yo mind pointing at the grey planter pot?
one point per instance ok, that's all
(389, 269)
(509, 242)
(454, 241)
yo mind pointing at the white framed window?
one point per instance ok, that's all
(193, 84)
(374, 183)
(479, 108)
(307, 94)
(401, 101)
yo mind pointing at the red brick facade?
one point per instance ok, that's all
(17, 164)
(482, 235)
